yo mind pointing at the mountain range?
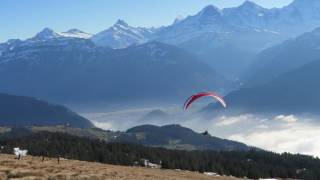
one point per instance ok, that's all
(74, 70)
(284, 57)
(196, 53)
(298, 17)
(227, 39)
(295, 92)
(285, 79)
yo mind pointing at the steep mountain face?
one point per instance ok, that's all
(9, 45)
(207, 20)
(178, 137)
(74, 70)
(223, 22)
(26, 111)
(294, 92)
(47, 34)
(285, 57)
(285, 22)
(121, 35)
(248, 14)
(231, 54)
(300, 15)
(289, 21)
(217, 41)
(227, 39)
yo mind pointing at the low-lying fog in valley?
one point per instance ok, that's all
(278, 133)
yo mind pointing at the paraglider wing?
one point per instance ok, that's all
(193, 98)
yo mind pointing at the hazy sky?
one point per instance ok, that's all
(22, 19)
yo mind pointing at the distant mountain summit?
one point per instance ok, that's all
(47, 34)
(121, 35)
(178, 137)
(26, 111)
(156, 115)
(76, 33)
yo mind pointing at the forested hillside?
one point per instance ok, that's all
(251, 164)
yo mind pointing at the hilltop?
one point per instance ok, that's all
(27, 111)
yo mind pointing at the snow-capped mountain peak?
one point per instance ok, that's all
(210, 11)
(250, 5)
(76, 33)
(248, 8)
(178, 19)
(74, 30)
(121, 25)
(122, 35)
(121, 22)
(46, 34)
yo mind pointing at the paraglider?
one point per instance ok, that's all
(193, 98)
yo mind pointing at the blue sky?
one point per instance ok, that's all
(23, 18)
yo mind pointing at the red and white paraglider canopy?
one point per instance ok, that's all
(193, 98)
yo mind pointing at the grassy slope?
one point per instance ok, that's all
(31, 167)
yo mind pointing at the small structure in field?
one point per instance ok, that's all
(19, 152)
(148, 164)
(211, 174)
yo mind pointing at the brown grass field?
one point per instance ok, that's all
(32, 168)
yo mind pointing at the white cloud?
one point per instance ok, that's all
(228, 121)
(103, 125)
(296, 138)
(288, 119)
(281, 133)
(262, 126)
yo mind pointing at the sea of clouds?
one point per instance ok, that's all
(278, 133)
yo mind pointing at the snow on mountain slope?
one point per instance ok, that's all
(209, 20)
(286, 21)
(48, 33)
(248, 14)
(45, 38)
(225, 38)
(292, 20)
(121, 35)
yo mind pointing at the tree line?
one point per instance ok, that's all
(252, 164)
